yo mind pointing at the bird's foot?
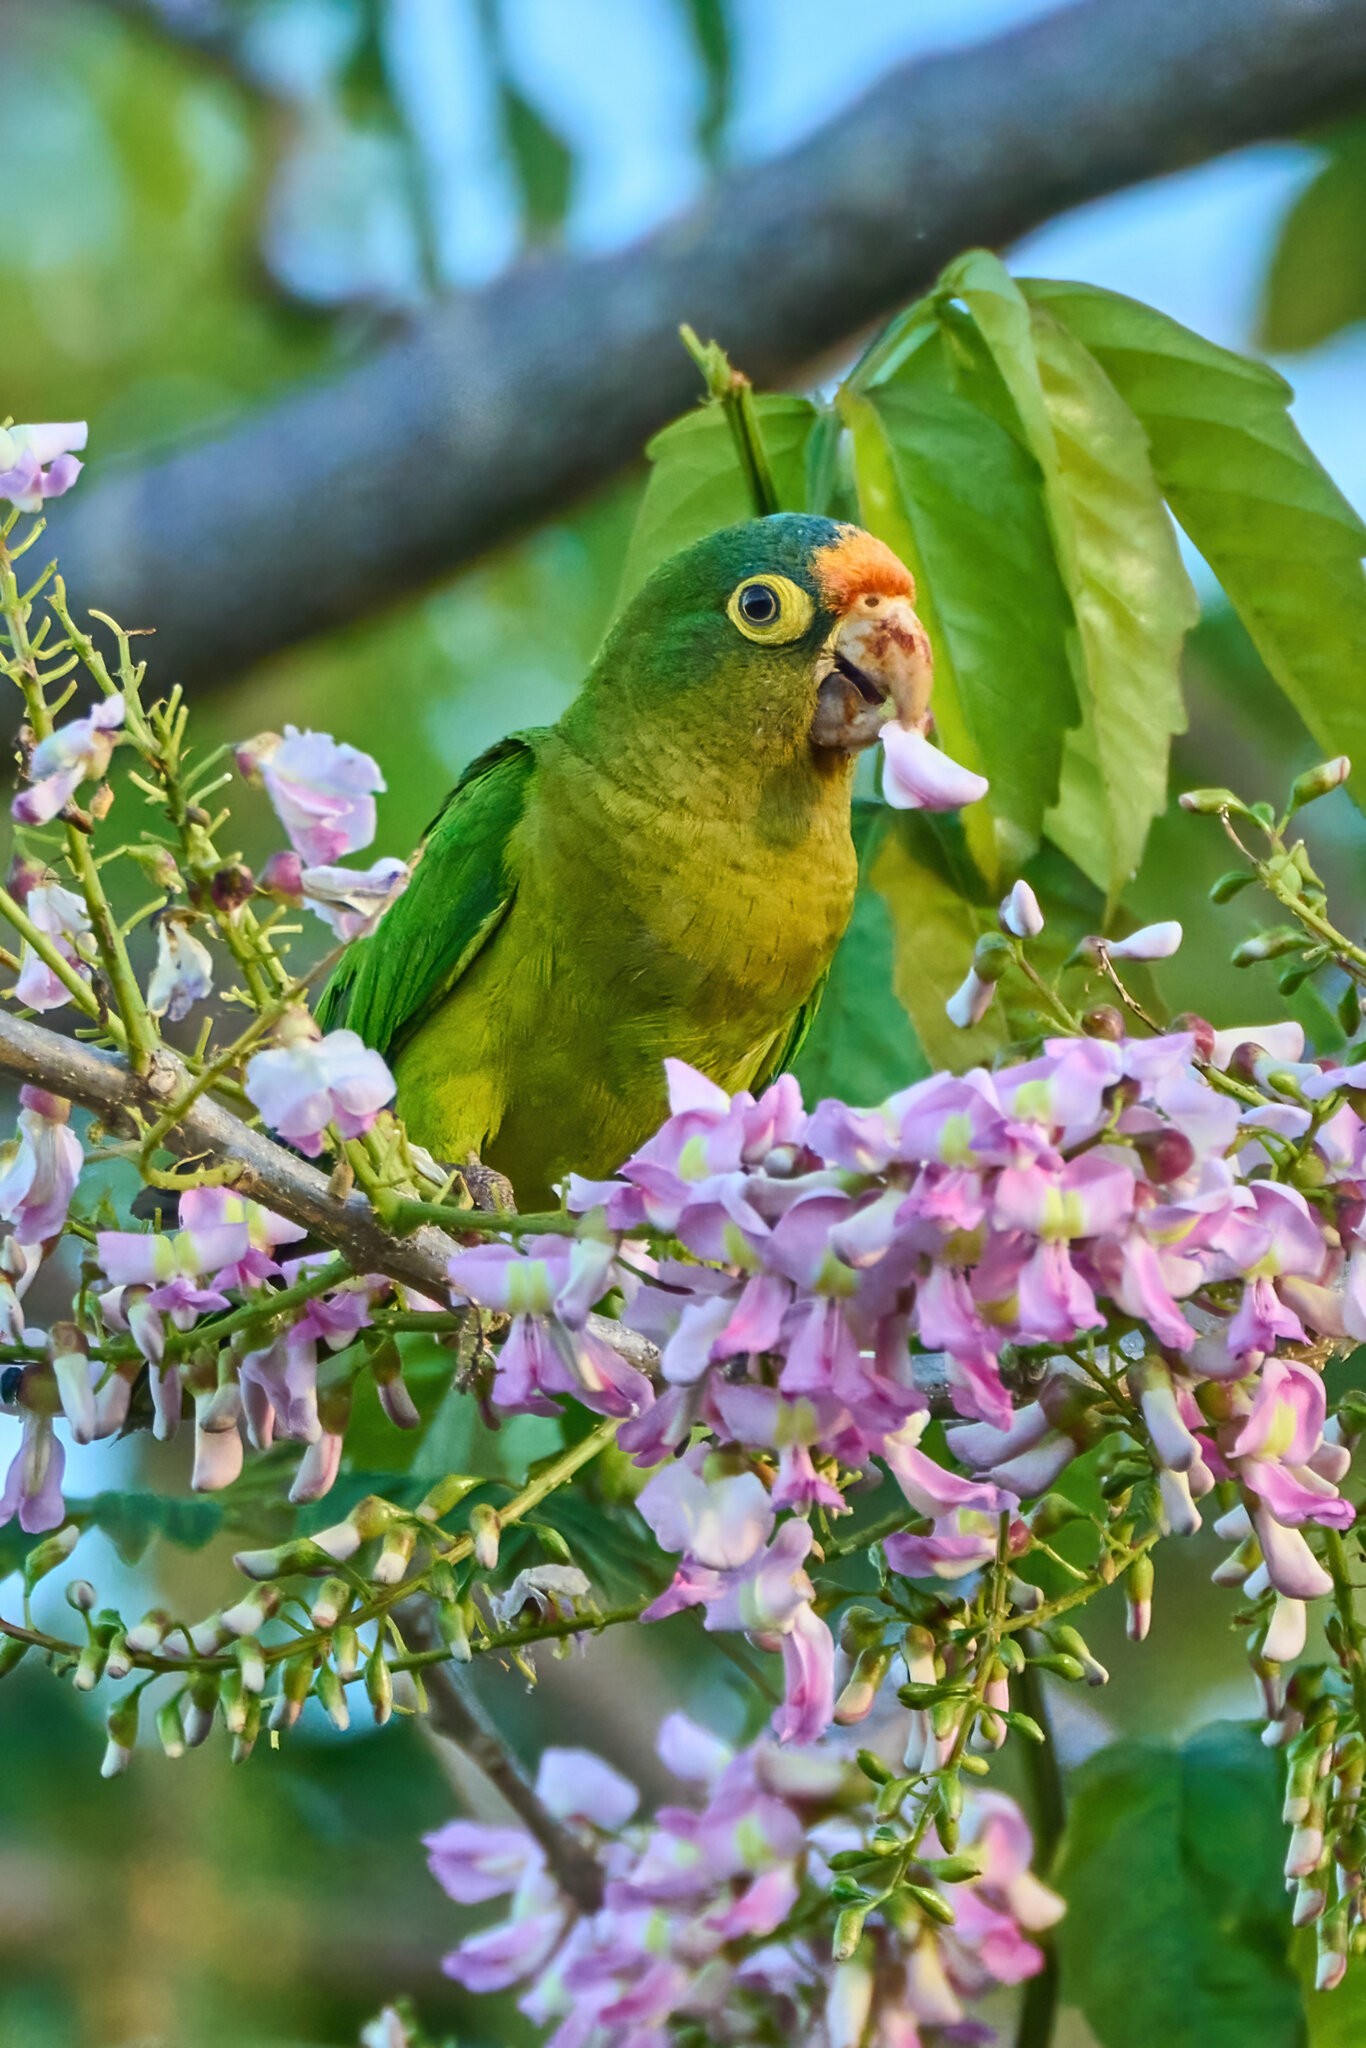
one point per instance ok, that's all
(488, 1189)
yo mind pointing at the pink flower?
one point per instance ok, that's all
(472, 1862)
(39, 462)
(308, 1082)
(353, 900)
(33, 1485)
(183, 975)
(62, 917)
(960, 1542)
(323, 793)
(548, 1291)
(919, 777)
(932, 1489)
(40, 1177)
(718, 1518)
(73, 754)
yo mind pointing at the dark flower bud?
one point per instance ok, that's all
(1166, 1154)
(1201, 1030)
(231, 887)
(23, 876)
(283, 875)
(1105, 1021)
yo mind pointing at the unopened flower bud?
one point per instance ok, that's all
(396, 1554)
(1286, 938)
(970, 1001)
(283, 875)
(1138, 1596)
(330, 1602)
(1149, 942)
(1200, 1029)
(1209, 802)
(121, 1726)
(446, 1494)
(454, 1627)
(244, 1740)
(1318, 781)
(332, 1698)
(252, 1664)
(862, 1629)
(848, 1932)
(1230, 884)
(386, 1366)
(486, 1528)
(346, 1650)
(248, 1616)
(218, 1449)
(81, 1595)
(1167, 1154)
(1104, 1021)
(1020, 913)
(296, 1683)
(170, 1730)
(855, 1703)
(231, 887)
(1070, 1642)
(200, 1706)
(52, 1551)
(379, 1686)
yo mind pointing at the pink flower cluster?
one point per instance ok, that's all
(707, 1909)
(1048, 1206)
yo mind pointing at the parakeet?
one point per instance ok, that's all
(667, 871)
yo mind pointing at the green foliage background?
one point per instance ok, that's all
(1017, 444)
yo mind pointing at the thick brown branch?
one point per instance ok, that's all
(493, 410)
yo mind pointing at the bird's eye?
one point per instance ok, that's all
(771, 609)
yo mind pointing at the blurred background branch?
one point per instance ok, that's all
(490, 410)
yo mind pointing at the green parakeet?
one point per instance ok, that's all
(667, 871)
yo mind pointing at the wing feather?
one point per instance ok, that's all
(462, 888)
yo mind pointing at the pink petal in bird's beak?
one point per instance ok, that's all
(918, 776)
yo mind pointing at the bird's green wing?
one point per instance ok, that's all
(461, 890)
(798, 1030)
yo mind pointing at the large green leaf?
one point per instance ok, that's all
(696, 484)
(1316, 280)
(1131, 596)
(861, 1046)
(927, 885)
(1268, 519)
(944, 481)
(1178, 1929)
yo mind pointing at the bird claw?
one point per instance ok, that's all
(488, 1189)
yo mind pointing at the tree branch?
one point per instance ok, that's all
(454, 1713)
(268, 1173)
(494, 410)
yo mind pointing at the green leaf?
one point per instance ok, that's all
(1131, 596)
(542, 162)
(131, 1520)
(861, 1046)
(954, 491)
(1268, 519)
(1316, 280)
(709, 22)
(1178, 1929)
(926, 882)
(696, 484)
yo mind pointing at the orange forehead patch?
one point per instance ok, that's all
(856, 564)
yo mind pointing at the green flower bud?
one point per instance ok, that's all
(1319, 781)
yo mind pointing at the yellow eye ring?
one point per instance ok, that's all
(770, 609)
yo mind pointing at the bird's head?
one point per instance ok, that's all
(792, 635)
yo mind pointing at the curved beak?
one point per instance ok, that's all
(876, 665)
